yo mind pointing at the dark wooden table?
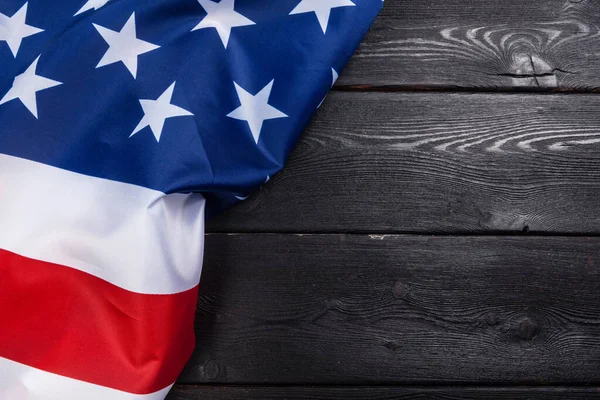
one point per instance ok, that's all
(436, 233)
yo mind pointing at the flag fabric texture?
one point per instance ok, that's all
(123, 123)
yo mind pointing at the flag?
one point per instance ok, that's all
(123, 124)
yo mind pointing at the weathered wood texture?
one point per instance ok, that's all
(379, 393)
(281, 309)
(481, 44)
(368, 309)
(437, 162)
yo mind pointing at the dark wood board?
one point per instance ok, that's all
(481, 44)
(425, 312)
(379, 393)
(437, 162)
(386, 309)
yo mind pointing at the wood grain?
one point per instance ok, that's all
(386, 309)
(379, 393)
(437, 162)
(288, 311)
(481, 44)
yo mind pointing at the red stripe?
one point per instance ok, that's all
(70, 323)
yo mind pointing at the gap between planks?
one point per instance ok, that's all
(262, 392)
(374, 234)
(452, 89)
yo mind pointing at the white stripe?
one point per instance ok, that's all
(20, 382)
(138, 239)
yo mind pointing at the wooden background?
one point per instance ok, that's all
(436, 233)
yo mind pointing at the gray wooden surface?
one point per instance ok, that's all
(435, 234)
(475, 44)
(398, 309)
(380, 393)
(437, 162)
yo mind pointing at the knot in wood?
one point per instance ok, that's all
(211, 370)
(529, 69)
(400, 290)
(390, 344)
(491, 319)
(527, 329)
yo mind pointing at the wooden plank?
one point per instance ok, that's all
(552, 44)
(437, 162)
(386, 309)
(379, 393)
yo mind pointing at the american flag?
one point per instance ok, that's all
(123, 123)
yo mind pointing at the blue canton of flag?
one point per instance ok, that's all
(180, 95)
(121, 123)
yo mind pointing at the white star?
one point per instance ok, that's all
(322, 8)
(14, 29)
(124, 46)
(255, 109)
(157, 111)
(242, 198)
(222, 17)
(92, 4)
(25, 87)
(334, 78)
